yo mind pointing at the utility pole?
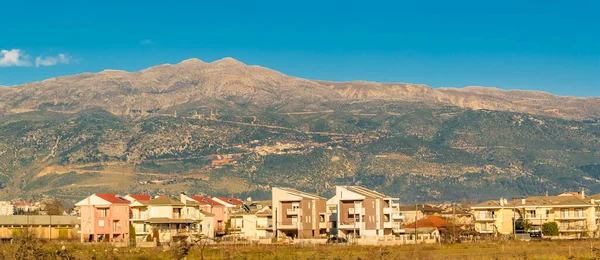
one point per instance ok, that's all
(453, 222)
(416, 235)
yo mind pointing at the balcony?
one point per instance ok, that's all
(394, 225)
(356, 211)
(263, 226)
(485, 217)
(390, 210)
(322, 225)
(570, 216)
(563, 228)
(397, 216)
(293, 211)
(137, 217)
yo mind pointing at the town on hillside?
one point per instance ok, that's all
(353, 215)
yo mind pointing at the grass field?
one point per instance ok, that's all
(34, 249)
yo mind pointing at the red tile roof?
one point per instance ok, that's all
(113, 198)
(429, 222)
(205, 200)
(233, 201)
(140, 196)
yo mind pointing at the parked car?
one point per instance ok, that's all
(336, 240)
(535, 234)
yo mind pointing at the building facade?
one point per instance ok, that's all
(298, 214)
(360, 212)
(104, 217)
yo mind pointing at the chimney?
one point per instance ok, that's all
(502, 202)
(523, 201)
(582, 193)
(505, 201)
(593, 201)
(183, 197)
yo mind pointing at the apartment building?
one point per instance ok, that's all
(219, 212)
(360, 212)
(6, 208)
(298, 214)
(574, 214)
(104, 217)
(494, 217)
(254, 221)
(165, 219)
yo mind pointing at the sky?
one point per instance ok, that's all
(548, 45)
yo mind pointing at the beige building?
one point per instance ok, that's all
(165, 219)
(44, 227)
(364, 213)
(574, 214)
(6, 208)
(253, 221)
(298, 214)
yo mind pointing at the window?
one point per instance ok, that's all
(116, 225)
(373, 204)
(322, 218)
(564, 213)
(531, 213)
(578, 212)
(103, 212)
(101, 223)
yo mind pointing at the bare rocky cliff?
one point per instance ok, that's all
(192, 80)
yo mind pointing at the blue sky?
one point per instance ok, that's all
(546, 45)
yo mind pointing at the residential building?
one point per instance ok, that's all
(495, 217)
(6, 208)
(44, 227)
(253, 221)
(427, 223)
(217, 209)
(574, 214)
(298, 214)
(166, 219)
(104, 217)
(229, 202)
(360, 212)
(419, 211)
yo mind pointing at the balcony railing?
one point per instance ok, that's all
(356, 211)
(293, 211)
(484, 217)
(571, 216)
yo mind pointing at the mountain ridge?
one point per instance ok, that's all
(228, 77)
(229, 128)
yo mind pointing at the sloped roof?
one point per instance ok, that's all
(301, 193)
(494, 204)
(564, 200)
(232, 201)
(163, 200)
(206, 200)
(140, 196)
(429, 222)
(420, 207)
(365, 192)
(112, 198)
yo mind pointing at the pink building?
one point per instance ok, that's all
(104, 217)
(220, 212)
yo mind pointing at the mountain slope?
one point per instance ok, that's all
(165, 86)
(228, 128)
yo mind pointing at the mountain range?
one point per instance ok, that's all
(225, 127)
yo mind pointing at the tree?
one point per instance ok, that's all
(550, 229)
(54, 207)
(527, 225)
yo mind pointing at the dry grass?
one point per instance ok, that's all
(33, 249)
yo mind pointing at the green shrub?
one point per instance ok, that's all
(550, 229)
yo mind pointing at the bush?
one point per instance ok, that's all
(550, 229)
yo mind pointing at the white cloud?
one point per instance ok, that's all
(52, 60)
(14, 57)
(146, 42)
